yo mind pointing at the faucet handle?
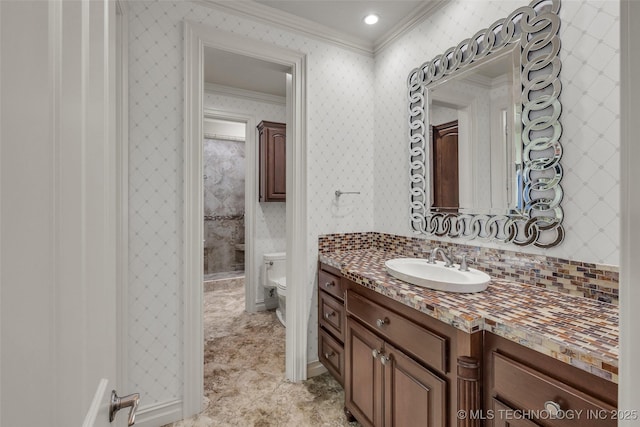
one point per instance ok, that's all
(464, 261)
(448, 257)
(430, 255)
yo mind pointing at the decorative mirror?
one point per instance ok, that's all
(485, 133)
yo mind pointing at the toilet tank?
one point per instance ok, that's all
(275, 266)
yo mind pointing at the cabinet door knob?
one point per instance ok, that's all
(385, 359)
(328, 315)
(375, 353)
(382, 322)
(553, 408)
(329, 284)
(329, 355)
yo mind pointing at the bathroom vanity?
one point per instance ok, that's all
(411, 356)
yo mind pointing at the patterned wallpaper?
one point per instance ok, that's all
(590, 96)
(349, 100)
(340, 104)
(270, 231)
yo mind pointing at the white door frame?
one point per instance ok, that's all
(196, 37)
(628, 397)
(122, 191)
(250, 195)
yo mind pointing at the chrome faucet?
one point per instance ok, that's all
(446, 256)
(464, 261)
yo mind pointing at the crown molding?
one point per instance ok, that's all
(291, 22)
(244, 94)
(418, 15)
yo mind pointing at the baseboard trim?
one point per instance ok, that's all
(315, 368)
(159, 414)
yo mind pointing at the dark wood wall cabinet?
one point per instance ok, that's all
(401, 367)
(272, 158)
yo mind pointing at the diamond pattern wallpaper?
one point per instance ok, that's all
(340, 103)
(357, 141)
(590, 97)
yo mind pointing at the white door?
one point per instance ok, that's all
(57, 213)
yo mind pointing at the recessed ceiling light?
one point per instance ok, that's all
(371, 19)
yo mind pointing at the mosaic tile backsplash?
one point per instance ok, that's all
(587, 280)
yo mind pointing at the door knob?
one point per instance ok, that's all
(117, 403)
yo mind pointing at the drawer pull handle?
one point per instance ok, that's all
(375, 353)
(384, 359)
(329, 355)
(382, 322)
(553, 408)
(329, 284)
(328, 315)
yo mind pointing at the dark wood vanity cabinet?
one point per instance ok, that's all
(386, 387)
(331, 321)
(272, 159)
(526, 388)
(402, 366)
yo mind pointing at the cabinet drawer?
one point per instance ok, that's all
(331, 354)
(331, 315)
(411, 337)
(528, 389)
(331, 284)
(504, 416)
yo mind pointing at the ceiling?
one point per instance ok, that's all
(243, 72)
(347, 16)
(336, 21)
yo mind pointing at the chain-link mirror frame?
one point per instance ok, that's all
(533, 30)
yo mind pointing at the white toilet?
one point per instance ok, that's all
(275, 270)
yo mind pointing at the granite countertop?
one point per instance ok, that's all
(578, 331)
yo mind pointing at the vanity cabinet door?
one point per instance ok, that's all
(364, 375)
(413, 395)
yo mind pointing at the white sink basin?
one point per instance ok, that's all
(436, 276)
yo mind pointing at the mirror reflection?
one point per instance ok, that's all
(475, 163)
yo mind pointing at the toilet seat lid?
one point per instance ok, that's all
(275, 256)
(281, 283)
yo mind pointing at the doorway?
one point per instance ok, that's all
(197, 37)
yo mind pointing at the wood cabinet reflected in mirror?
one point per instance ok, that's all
(445, 166)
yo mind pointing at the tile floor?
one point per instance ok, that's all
(244, 372)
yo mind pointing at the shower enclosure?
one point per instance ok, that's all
(224, 177)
